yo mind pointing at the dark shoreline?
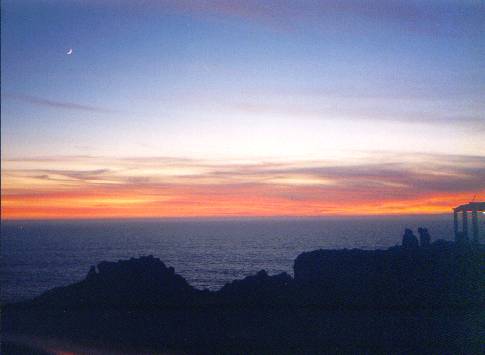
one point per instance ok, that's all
(427, 298)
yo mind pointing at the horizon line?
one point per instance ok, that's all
(222, 217)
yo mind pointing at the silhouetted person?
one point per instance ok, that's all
(409, 240)
(424, 237)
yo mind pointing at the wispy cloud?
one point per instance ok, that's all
(397, 110)
(425, 17)
(176, 186)
(34, 100)
(82, 175)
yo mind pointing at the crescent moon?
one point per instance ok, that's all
(69, 51)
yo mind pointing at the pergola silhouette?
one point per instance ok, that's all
(475, 208)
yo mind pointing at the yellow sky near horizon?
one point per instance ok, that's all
(102, 187)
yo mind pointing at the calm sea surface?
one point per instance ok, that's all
(37, 256)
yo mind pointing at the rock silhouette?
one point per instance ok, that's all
(424, 237)
(135, 282)
(338, 300)
(409, 240)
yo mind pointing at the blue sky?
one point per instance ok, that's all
(248, 81)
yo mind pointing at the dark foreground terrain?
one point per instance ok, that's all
(414, 298)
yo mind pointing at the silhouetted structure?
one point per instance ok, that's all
(409, 240)
(474, 208)
(424, 237)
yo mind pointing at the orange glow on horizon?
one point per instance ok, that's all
(124, 205)
(161, 187)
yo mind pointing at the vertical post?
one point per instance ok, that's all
(465, 225)
(475, 226)
(455, 224)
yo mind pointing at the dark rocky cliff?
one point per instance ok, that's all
(143, 281)
(339, 300)
(442, 274)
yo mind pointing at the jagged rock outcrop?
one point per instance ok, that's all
(260, 290)
(137, 282)
(438, 275)
(338, 300)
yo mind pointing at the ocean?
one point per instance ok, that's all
(39, 255)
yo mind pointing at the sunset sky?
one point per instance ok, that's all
(252, 108)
